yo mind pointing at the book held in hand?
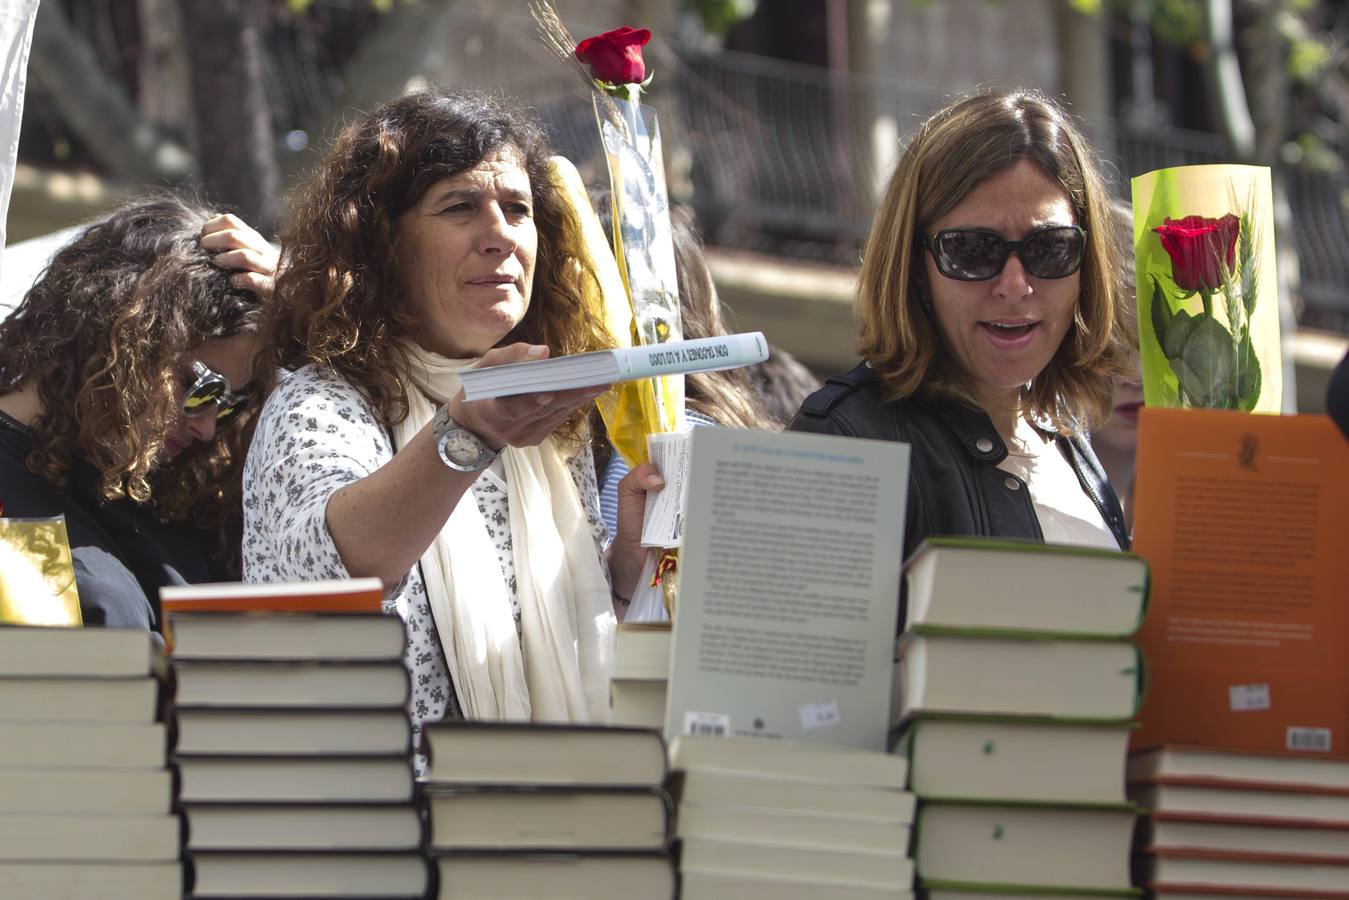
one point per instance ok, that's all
(609, 366)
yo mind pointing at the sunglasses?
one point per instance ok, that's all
(977, 254)
(211, 390)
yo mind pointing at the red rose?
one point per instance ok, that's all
(615, 56)
(1198, 248)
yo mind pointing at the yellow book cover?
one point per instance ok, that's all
(37, 575)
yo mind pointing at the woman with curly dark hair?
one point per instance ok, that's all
(432, 239)
(123, 374)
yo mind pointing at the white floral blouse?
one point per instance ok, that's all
(317, 434)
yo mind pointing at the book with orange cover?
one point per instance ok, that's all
(334, 595)
(1243, 520)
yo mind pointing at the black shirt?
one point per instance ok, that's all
(122, 551)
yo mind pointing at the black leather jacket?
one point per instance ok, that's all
(955, 486)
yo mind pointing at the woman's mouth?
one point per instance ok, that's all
(172, 448)
(1128, 411)
(1009, 335)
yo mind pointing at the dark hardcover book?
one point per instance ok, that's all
(317, 683)
(132, 745)
(299, 779)
(283, 875)
(549, 818)
(291, 732)
(304, 827)
(69, 791)
(556, 876)
(286, 635)
(533, 753)
(80, 699)
(28, 651)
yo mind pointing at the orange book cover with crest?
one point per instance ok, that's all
(1244, 522)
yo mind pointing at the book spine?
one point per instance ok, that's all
(701, 355)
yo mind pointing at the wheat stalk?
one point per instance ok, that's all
(558, 39)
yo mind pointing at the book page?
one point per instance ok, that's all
(1242, 519)
(789, 587)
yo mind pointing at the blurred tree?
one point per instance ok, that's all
(231, 116)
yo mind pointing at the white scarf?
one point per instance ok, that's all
(566, 614)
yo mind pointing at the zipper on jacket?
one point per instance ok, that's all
(1091, 492)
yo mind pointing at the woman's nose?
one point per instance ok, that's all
(497, 234)
(1012, 283)
(202, 427)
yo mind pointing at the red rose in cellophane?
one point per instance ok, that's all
(615, 57)
(1200, 248)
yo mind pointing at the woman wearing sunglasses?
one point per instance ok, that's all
(122, 376)
(990, 326)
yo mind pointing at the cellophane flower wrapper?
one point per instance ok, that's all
(37, 573)
(645, 251)
(1207, 292)
(644, 248)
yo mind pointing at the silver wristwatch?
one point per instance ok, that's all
(459, 448)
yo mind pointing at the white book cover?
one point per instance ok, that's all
(609, 366)
(788, 588)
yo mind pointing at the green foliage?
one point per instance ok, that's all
(1307, 59)
(719, 16)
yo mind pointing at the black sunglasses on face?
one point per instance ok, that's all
(211, 391)
(977, 254)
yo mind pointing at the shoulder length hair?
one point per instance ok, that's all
(340, 302)
(102, 336)
(955, 150)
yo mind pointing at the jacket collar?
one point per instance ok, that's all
(975, 431)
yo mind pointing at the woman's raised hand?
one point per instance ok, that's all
(233, 244)
(525, 419)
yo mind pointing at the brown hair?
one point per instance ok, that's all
(101, 337)
(340, 302)
(955, 150)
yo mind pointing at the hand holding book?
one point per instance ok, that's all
(522, 419)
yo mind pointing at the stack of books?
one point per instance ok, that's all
(86, 796)
(293, 741)
(641, 677)
(759, 819)
(520, 811)
(1016, 682)
(1225, 821)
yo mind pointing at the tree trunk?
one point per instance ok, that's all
(96, 109)
(232, 123)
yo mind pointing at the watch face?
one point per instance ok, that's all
(460, 447)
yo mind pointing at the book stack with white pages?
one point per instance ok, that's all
(1230, 822)
(1016, 682)
(293, 741)
(520, 811)
(774, 820)
(86, 795)
(641, 674)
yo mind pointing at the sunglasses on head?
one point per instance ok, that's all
(211, 391)
(977, 254)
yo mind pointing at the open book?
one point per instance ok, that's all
(608, 366)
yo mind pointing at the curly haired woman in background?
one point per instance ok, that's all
(123, 374)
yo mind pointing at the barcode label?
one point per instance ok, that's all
(707, 724)
(1309, 739)
(1248, 696)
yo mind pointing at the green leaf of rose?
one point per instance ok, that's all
(1209, 356)
(1177, 332)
